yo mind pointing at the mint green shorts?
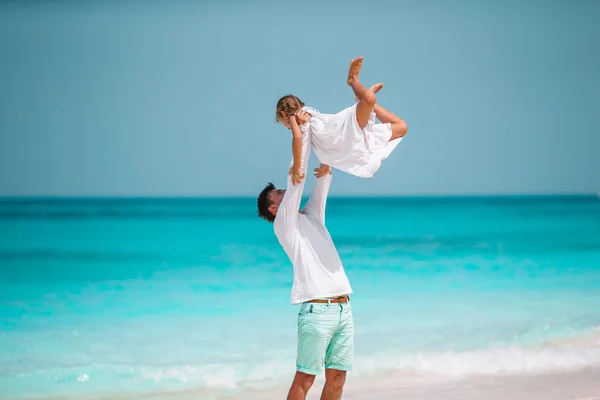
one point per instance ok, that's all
(325, 337)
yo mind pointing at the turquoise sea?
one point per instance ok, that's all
(160, 298)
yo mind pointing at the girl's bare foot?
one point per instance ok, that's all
(354, 70)
(376, 87)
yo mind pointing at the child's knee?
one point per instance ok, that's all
(402, 127)
(370, 98)
(399, 128)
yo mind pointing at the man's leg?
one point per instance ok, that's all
(302, 383)
(366, 97)
(334, 384)
(316, 326)
(339, 355)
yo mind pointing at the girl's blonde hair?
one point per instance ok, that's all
(288, 105)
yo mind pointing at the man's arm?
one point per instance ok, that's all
(287, 213)
(318, 199)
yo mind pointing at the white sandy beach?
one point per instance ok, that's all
(579, 385)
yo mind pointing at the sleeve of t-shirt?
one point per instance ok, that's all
(287, 213)
(318, 199)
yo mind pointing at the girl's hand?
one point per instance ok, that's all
(297, 175)
(323, 170)
(302, 117)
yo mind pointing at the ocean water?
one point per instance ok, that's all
(166, 298)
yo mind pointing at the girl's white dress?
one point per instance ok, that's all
(338, 141)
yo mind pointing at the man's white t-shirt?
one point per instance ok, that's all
(318, 269)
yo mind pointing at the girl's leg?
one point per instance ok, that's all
(366, 98)
(399, 127)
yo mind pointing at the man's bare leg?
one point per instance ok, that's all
(366, 98)
(302, 383)
(334, 384)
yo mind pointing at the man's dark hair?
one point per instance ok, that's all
(264, 202)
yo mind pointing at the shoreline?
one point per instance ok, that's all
(582, 384)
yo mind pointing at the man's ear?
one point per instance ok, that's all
(273, 208)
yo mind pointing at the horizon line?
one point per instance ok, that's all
(333, 196)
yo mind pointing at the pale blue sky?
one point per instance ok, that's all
(177, 98)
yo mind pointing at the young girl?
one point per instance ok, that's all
(350, 140)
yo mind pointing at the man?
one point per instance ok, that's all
(325, 323)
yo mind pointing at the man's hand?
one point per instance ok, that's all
(297, 175)
(302, 117)
(323, 170)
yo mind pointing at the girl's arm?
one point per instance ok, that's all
(296, 151)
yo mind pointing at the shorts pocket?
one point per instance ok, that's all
(308, 309)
